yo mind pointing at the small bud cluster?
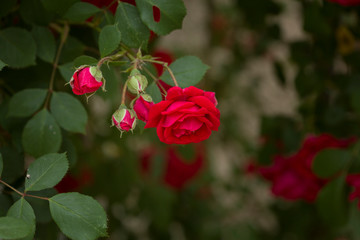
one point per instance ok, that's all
(124, 118)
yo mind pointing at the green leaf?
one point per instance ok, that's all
(84, 60)
(68, 112)
(109, 39)
(154, 92)
(331, 202)
(26, 102)
(17, 47)
(78, 216)
(13, 228)
(1, 164)
(45, 43)
(67, 70)
(330, 161)
(33, 12)
(71, 50)
(188, 71)
(81, 11)
(22, 210)
(41, 134)
(70, 149)
(134, 33)
(58, 6)
(13, 164)
(2, 65)
(172, 14)
(46, 171)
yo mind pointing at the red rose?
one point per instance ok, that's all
(292, 177)
(86, 80)
(346, 2)
(142, 106)
(178, 172)
(354, 181)
(71, 182)
(186, 116)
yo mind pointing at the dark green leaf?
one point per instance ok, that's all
(154, 92)
(354, 220)
(5, 204)
(81, 11)
(172, 14)
(67, 70)
(13, 228)
(134, 33)
(1, 164)
(188, 71)
(45, 43)
(26, 102)
(46, 171)
(41, 207)
(33, 12)
(58, 6)
(68, 112)
(17, 47)
(41, 134)
(13, 162)
(109, 39)
(331, 202)
(84, 60)
(78, 216)
(2, 65)
(330, 161)
(70, 149)
(6, 7)
(71, 50)
(22, 210)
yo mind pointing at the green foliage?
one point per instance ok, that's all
(134, 33)
(2, 65)
(84, 60)
(331, 202)
(17, 47)
(26, 102)
(68, 112)
(41, 134)
(154, 91)
(330, 161)
(1, 164)
(46, 171)
(81, 11)
(58, 6)
(22, 210)
(172, 14)
(188, 71)
(78, 216)
(45, 43)
(109, 39)
(13, 228)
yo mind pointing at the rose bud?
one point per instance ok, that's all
(137, 82)
(124, 119)
(86, 79)
(142, 106)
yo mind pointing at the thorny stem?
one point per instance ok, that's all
(165, 65)
(65, 34)
(113, 57)
(22, 194)
(124, 93)
(155, 79)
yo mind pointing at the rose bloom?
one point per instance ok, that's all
(86, 80)
(178, 172)
(346, 2)
(354, 181)
(186, 116)
(292, 177)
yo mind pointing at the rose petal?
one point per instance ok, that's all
(174, 93)
(155, 113)
(191, 124)
(193, 91)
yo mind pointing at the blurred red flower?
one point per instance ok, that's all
(178, 172)
(346, 2)
(292, 177)
(73, 183)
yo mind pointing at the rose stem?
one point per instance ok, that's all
(64, 36)
(20, 193)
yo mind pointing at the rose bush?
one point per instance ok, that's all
(186, 116)
(292, 177)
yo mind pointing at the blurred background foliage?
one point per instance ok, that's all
(281, 70)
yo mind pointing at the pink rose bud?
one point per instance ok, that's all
(86, 79)
(137, 82)
(124, 119)
(142, 106)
